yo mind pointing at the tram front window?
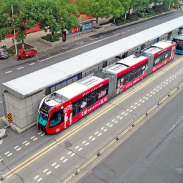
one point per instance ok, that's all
(42, 118)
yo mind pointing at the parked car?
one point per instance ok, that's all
(3, 53)
(22, 53)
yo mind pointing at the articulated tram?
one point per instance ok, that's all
(64, 107)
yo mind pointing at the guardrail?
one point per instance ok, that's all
(130, 124)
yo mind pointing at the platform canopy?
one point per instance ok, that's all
(39, 80)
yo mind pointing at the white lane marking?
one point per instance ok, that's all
(127, 109)
(8, 72)
(32, 137)
(42, 134)
(90, 137)
(69, 152)
(99, 134)
(86, 144)
(20, 68)
(120, 118)
(80, 149)
(122, 112)
(73, 154)
(147, 94)
(24, 142)
(97, 131)
(157, 90)
(65, 160)
(19, 149)
(110, 125)
(117, 121)
(9, 154)
(39, 179)
(126, 114)
(48, 172)
(93, 139)
(54, 164)
(62, 158)
(140, 100)
(57, 166)
(130, 110)
(113, 120)
(132, 106)
(35, 139)
(154, 93)
(32, 64)
(138, 104)
(36, 177)
(105, 130)
(6, 153)
(83, 142)
(16, 147)
(39, 133)
(150, 95)
(76, 147)
(144, 97)
(27, 144)
(45, 170)
(143, 101)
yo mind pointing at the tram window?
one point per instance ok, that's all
(126, 79)
(131, 76)
(56, 118)
(83, 104)
(75, 110)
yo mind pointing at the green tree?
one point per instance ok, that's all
(58, 15)
(23, 18)
(101, 8)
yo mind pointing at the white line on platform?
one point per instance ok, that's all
(9, 154)
(45, 170)
(36, 177)
(35, 139)
(39, 179)
(6, 153)
(48, 172)
(93, 139)
(65, 160)
(80, 149)
(19, 149)
(54, 164)
(8, 72)
(73, 154)
(57, 166)
(32, 64)
(27, 144)
(20, 68)
(62, 158)
(24, 142)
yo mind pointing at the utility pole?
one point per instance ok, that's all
(14, 30)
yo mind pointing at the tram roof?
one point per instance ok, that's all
(79, 86)
(36, 81)
(179, 37)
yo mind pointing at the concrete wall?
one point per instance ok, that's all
(24, 111)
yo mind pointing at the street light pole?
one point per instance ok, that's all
(14, 30)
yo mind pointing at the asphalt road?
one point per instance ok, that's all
(153, 153)
(11, 69)
(80, 141)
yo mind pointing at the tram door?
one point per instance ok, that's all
(67, 116)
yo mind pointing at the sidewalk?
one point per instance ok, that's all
(32, 38)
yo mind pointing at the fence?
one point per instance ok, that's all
(134, 121)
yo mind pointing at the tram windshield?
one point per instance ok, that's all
(42, 118)
(179, 46)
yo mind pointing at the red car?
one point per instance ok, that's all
(22, 53)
